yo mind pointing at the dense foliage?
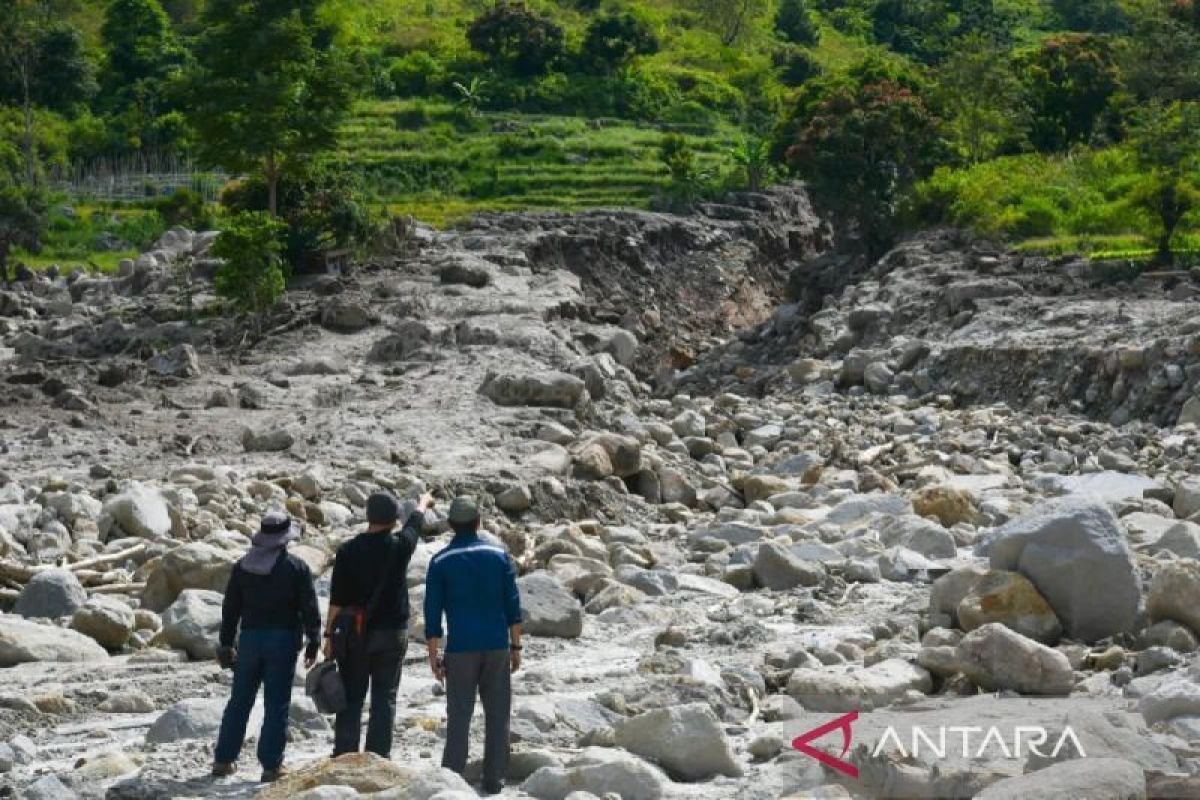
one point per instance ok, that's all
(254, 274)
(896, 112)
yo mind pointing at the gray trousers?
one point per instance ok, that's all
(485, 672)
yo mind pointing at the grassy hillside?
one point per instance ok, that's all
(1019, 118)
(428, 160)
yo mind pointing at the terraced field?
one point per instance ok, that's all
(440, 163)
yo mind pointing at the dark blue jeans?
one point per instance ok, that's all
(266, 657)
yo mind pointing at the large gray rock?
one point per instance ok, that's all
(22, 641)
(107, 620)
(196, 565)
(601, 773)
(193, 622)
(346, 316)
(410, 336)
(1075, 554)
(1175, 697)
(193, 718)
(919, 535)
(181, 361)
(556, 389)
(949, 590)
(858, 506)
(271, 440)
(687, 741)
(861, 689)
(51, 594)
(1093, 778)
(996, 657)
(1175, 593)
(548, 608)
(138, 511)
(1181, 539)
(1187, 498)
(777, 567)
(48, 787)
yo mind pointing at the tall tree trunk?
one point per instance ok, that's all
(272, 175)
(27, 104)
(1171, 214)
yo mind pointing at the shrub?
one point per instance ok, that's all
(862, 150)
(613, 40)
(794, 23)
(184, 207)
(417, 74)
(687, 183)
(795, 65)
(254, 276)
(1070, 80)
(516, 38)
(1035, 216)
(320, 209)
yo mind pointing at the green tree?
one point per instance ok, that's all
(61, 76)
(1069, 81)
(1166, 140)
(794, 23)
(513, 37)
(139, 44)
(143, 62)
(753, 156)
(981, 98)
(471, 95)
(861, 151)
(22, 221)
(1095, 16)
(733, 20)
(613, 40)
(685, 179)
(21, 22)
(1162, 61)
(253, 276)
(271, 87)
(918, 28)
(322, 208)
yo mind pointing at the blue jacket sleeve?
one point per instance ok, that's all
(435, 602)
(512, 596)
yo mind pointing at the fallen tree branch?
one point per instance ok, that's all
(88, 571)
(118, 588)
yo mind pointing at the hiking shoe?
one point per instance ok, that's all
(220, 770)
(272, 775)
(493, 787)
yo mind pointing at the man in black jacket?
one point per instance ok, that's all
(376, 558)
(271, 595)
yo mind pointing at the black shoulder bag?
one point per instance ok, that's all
(349, 634)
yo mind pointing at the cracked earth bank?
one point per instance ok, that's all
(953, 492)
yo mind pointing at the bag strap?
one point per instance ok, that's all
(387, 569)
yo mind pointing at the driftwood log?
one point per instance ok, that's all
(91, 572)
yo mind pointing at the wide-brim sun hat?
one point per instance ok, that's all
(277, 524)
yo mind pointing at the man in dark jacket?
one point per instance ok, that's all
(475, 584)
(271, 596)
(361, 565)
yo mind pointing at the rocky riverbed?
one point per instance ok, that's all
(952, 495)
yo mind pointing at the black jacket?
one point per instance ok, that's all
(359, 567)
(286, 598)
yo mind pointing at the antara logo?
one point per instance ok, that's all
(843, 722)
(1026, 740)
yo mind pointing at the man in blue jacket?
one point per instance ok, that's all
(474, 583)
